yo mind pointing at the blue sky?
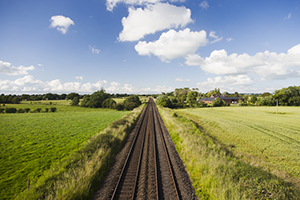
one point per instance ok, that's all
(148, 46)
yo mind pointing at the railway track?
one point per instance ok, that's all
(149, 166)
(147, 172)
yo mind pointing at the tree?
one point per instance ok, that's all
(75, 101)
(120, 106)
(214, 92)
(218, 102)
(192, 97)
(85, 101)
(72, 95)
(135, 99)
(109, 103)
(97, 98)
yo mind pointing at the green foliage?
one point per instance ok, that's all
(2, 110)
(109, 103)
(132, 102)
(75, 101)
(97, 98)
(85, 101)
(192, 97)
(214, 92)
(10, 110)
(288, 96)
(72, 96)
(27, 110)
(120, 106)
(20, 110)
(218, 102)
(53, 109)
(46, 109)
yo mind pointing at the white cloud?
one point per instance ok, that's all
(182, 80)
(110, 4)
(204, 5)
(269, 65)
(225, 82)
(229, 39)
(94, 50)
(28, 84)
(213, 35)
(6, 68)
(61, 23)
(40, 65)
(79, 77)
(153, 18)
(173, 44)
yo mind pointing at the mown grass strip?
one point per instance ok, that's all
(78, 176)
(215, 172)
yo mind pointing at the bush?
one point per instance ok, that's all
(109, 103)
(134, 99)
(21, 110)
(75, 101)
(46, 109)
(2, 110)
(131, 105)
(10, 110)
(27, 110)
(218, 102)
(120, 106)
(53, 109)
(38, 109)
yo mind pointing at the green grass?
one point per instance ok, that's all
(256, 134)
(32, 142)
(215, 171)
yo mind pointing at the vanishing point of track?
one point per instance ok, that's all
(147, 172)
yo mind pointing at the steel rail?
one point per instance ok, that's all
(130, 152)
(167, 155)
(155, 156)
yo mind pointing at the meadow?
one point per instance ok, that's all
(33, 142)
(238, 152)
(256, 134)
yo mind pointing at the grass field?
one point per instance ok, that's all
(32, 142)
(256, 134)
(220, 171)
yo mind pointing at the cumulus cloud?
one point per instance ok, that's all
(61, 23)
(182, 80)
(29, 84)
(151, 19)
(94, 50)
(79, 77)
(228, 83)
(173, 44)
(204, 5)
(110, 4)
(268, 65)
(229, 39)
(8, 69)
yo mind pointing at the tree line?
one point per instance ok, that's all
(99, 99)
(186, 97)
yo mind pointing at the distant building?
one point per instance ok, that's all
(232, 100)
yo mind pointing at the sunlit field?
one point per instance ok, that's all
(31, 142)
(256, 131)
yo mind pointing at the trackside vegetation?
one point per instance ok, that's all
(79, 175)
(216, 172)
